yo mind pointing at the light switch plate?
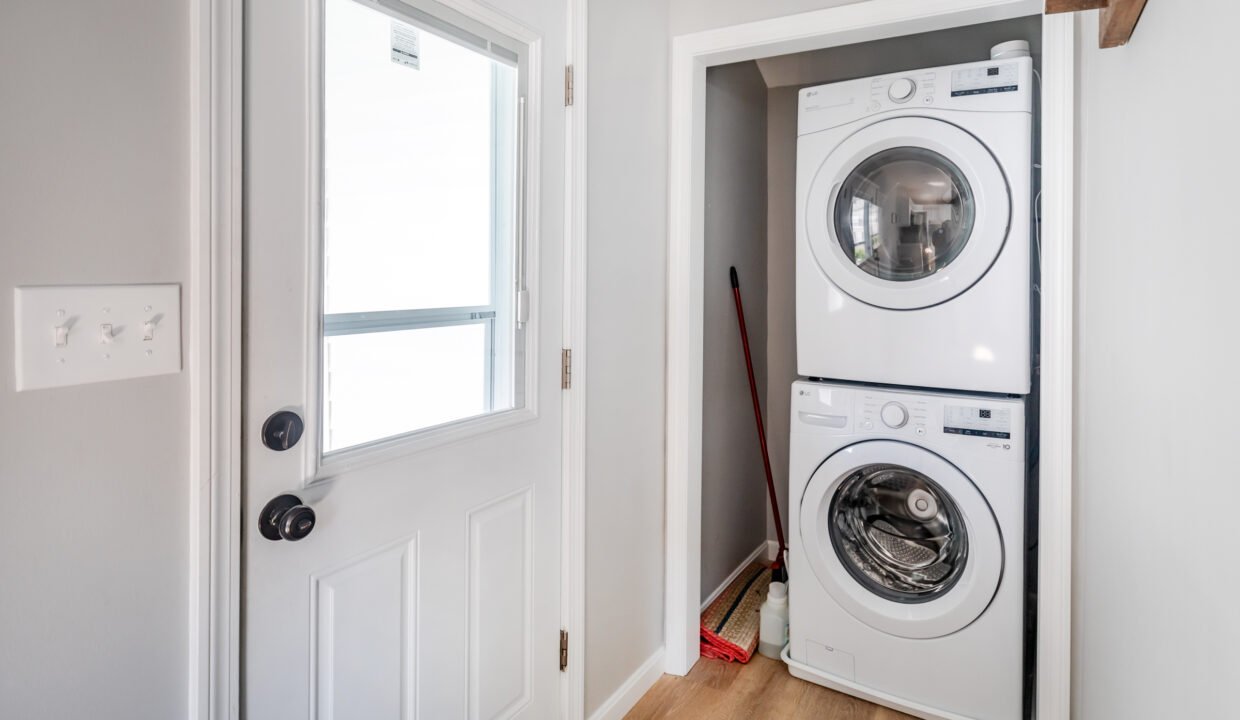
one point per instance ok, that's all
(73, 335)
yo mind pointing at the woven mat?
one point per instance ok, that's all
(730, 624)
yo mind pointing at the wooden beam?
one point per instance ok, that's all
(1118, 21)
(1067, 6)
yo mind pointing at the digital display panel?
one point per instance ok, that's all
(977, 421)
(985, 80)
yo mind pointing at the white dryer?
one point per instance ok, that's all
(913, 228)
(906, 555)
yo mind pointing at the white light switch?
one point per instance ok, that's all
(73, 335)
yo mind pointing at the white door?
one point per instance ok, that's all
(403, 288)
(908, 213)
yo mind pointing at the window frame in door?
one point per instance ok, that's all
(519, 289)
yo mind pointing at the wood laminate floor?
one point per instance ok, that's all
(763, 688)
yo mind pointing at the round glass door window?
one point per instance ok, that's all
(898, 533)
(904, 214)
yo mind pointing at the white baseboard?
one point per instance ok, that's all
(638, 684)
(768, 549)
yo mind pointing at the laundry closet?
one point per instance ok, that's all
(751, 224)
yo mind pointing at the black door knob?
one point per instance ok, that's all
(282, 430)
(286, 518)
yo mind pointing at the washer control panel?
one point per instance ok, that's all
(889, 412)
(914, 416)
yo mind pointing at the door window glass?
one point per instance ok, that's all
(420, 237)
(904, 214)
(898, 533)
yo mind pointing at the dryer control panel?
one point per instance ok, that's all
(926, 418)
(985, 79)
(989, 86)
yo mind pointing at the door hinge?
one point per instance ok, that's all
(566, 369)
(563, 650)
(568, 85)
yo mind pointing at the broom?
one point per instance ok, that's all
(778, 571)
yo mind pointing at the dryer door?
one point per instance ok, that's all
(908, 213)
(901, 539)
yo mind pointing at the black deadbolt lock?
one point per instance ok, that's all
(282, 430)
(285, 518)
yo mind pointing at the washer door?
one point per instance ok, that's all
(901, 539)
(908, 213)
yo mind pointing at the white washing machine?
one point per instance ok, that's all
(906, 559)
(913, 228)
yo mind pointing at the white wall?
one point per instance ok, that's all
(93, 489)
(733, 479)
(627, 299)
(1156, 627)
(689, 16)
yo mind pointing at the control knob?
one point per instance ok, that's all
(894, 415)
(902, 90)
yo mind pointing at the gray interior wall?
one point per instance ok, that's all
(93, 479)
(1156, 633)
(627, 299)
(781, 347)
(785, 75)
(733, 479)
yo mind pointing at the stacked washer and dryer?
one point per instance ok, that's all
(908, 464)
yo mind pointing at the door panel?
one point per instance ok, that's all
(365, 615)
(429, 586)
(500, 602)
(920, 615)
(924, 155)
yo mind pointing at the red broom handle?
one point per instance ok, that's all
(757, 414)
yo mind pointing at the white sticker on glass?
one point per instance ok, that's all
(405, 46)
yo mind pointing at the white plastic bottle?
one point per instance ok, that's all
(773, 621)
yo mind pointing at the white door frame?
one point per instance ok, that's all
(216, 73)
(860, 22)
(214, 359)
